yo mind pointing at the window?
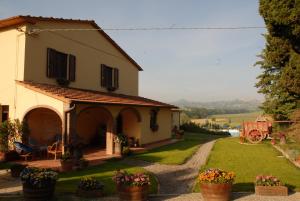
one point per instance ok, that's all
(153, 119)
(4, 112)
(60, 65)
(109, 77)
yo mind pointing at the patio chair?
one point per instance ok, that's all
(55, 149)
(23, 150)
(40, 149)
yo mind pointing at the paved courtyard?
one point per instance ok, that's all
(183, 197)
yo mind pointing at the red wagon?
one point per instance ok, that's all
(255, 132)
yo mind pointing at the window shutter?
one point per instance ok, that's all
(116, 78)
(50, 63)
(61, 67)
(103, 76)
(72, 68)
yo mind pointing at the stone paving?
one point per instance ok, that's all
(182, 197)
(8, 184)
(176, 179)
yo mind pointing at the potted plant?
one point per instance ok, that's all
(216, 184)
(119, 140)
(269, 186)
(126, 151)
(89, 187)
(16, 169)
(38, 184)
(66, 162)
(132, 186)
(3, 141)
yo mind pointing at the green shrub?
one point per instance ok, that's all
(196, 128)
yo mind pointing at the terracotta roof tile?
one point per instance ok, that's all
(88, 96)
(23, 19)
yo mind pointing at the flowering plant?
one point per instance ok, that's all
(266, 180)
(38, 177)
(125, 178)
(120, 139)
(90, 183)
(216, 176)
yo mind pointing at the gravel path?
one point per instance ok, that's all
(176, 179)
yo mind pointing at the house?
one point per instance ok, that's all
(76, 85)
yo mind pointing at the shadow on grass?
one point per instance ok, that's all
(183, 149)
(68, 182)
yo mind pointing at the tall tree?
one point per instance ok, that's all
(280, 59)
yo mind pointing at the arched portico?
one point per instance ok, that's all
(128, 123)
(94, 127)
(44, 124)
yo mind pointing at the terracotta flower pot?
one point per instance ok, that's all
(271, 190)
(133, 193)
(31, 193)
(2, 156)
(118, 149)
(216, 192)
(66, 165)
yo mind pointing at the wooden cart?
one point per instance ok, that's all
(255, 132)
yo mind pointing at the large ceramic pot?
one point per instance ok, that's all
(31, 193)
(66, 165)
(216, 192)
(133, 193)
(118, 149)
(2, 156)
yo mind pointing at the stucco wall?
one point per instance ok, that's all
(12, 46)
(27, 99)
(91, 50)
(131, 126)
(176, 119)
(164, 123)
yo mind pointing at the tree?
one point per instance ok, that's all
(280, 59)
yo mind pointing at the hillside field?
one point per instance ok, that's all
(232, 119)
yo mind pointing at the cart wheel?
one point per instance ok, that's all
(255, 136)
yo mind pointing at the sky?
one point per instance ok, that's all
(196, 65)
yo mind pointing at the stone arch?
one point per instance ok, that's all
(133, 110)
(128, 123)
(44, 124)
(94, 126)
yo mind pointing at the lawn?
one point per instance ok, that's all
(67, 182)
(4, 165)
(178, 153)
(248, 161)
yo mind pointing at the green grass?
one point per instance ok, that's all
(248, 161)
(67, 182)
(176, 153)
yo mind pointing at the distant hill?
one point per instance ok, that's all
(251, 105)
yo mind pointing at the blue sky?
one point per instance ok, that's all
(203, 65)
